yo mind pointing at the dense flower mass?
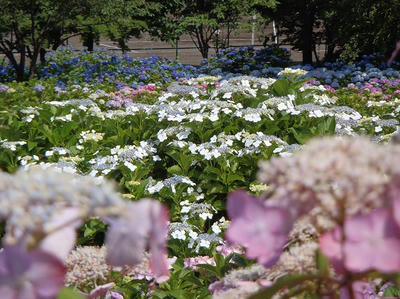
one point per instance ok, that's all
(339, 176)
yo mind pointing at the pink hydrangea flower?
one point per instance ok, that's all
(30, 275)
(192, 262)
(262, 229)
(370, 242)
(61, 233)
(330, 244)
(104, 291)
(144, 226)
(226, 250)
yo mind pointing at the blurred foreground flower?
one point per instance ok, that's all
(42, 210)
(143, 226)
(370, 242)
(29, 275)
(262, 229)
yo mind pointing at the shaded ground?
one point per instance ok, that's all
(187, 52)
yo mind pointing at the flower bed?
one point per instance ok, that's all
(189, 144)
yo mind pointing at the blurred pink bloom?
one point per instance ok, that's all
(262, 229)
(144, 227)
(62, 237)
(330, 245)
(143, 272)
(371, 242)
(29, 275)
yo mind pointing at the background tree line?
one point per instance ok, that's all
(347, 28)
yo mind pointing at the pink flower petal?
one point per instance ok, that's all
(40, 276)
(331, 245)
(158, 237)
(236, 202)
(145, 226)
(262, 229)
(100, 290)
(62, 241)
(372, 242)
(46, 274)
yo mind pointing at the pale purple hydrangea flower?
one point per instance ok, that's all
(144, 226)
(104, 290)
(3, 88)
(39, 87)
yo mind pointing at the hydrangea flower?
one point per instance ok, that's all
(370, 242)
(39, 87)
(29, 275)
(262, 229)
(144, 226)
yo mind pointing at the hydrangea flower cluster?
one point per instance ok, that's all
(338, 188)
(42, 210)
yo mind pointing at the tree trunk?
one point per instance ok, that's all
(204, 51)
(20, 68)
(33, 65)
(307, 37)
(88, 41)
(42, 55)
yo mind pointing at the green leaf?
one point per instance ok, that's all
(69, 293)
(175, 170)
(281, 87)
(391, 291)
(287, 281)
(322, 263)
(31, 145)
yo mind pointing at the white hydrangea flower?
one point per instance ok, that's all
(193, 235)
(227, 95)
(161, 135)
(252, 117)
(179, 235)
(130, 166)
(205, 215)
(204, 243)
(215, 228)
(185, 210)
